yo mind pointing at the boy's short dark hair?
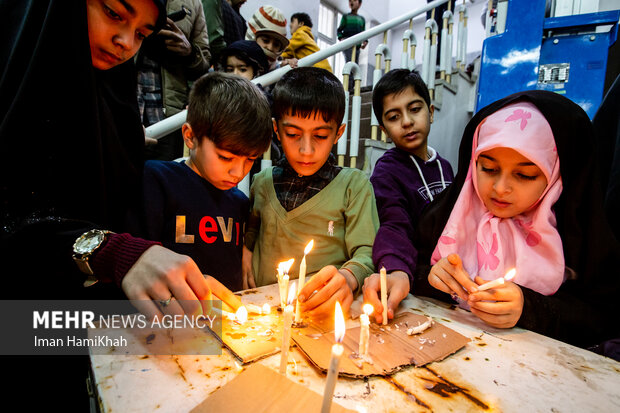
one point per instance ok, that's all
(307, 90)
(232, 112)
(302, 18)
(395, 81)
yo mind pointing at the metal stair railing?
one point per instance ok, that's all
(175, 122)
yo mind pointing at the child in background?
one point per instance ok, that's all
(525, 197)
(302, 42)
(350, 25)
(193, 207)
(244, 58)
(306, 196)
(267, 27)
(406, 178)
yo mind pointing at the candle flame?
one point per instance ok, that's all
(266, 308)
(309, 247)
(510, 274)
(339, 328)
(284, 266)
(368, 309)
(292, 291)
(241, 315)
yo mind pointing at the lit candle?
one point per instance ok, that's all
(383, 278)
(241, 315)
(302, 280)
(337, 349)
(500, 281)
(365, 330)
(266, 308)
(286, 329)
(283, 269)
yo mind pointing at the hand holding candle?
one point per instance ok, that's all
(337, 349)
(302, 280)
(286, 329)
(499, 281)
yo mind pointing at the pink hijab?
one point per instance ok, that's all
(528, 242)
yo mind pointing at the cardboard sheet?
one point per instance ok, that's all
(390, 349)
(260, 389)
(259, 337)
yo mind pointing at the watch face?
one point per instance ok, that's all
(88, 242)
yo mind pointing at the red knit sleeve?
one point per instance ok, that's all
(118, 255)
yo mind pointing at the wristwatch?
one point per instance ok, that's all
(83, 249)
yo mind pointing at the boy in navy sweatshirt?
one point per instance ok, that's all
(405, 178)
(193, 207)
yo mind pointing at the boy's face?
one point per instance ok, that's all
(116, 29)
(354, 5)
(269, 42)
(307, 142)
(295, 24)
(238, 67)
(221, 168)
(407, 121)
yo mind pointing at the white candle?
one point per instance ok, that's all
(334, 363)
(499, 281)
(253, 309)
(302, 280)
(283, 269)
(286, 329)
(383, 278)
(365, 330)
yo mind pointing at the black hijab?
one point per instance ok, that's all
(71, 140)
(581, 312)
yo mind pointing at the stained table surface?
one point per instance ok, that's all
(511, 370)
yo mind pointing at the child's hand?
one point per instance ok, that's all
(327, 286)
(397, 291)
(161, 274)
(247, 270)
(449, 276)
(292, 62)
(499, 307)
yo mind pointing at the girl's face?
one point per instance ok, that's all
(116, 29)
(508, 183)
(238, 67)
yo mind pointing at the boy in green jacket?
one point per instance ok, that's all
(307, 196)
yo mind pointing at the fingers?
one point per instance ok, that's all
(455, 260)
(251, 281)
(145, 305)
(326, 308)
(316, 282)
(323, 294)
(495, 320)
(220, 291)
(441, 278)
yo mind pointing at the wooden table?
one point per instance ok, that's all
(499, 370)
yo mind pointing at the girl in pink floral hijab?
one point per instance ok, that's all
(503, 216)
(526, 196)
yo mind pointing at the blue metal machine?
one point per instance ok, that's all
(566, 55)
